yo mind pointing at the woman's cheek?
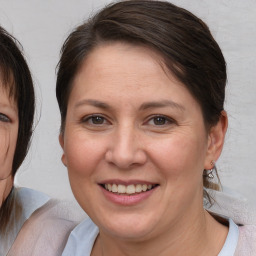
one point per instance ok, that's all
(5, 148)
(83, 154)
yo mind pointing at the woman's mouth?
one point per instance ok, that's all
(130, 189)
(128, 193)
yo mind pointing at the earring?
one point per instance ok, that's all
(209, 173)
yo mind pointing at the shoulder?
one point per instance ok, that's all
(230, 204)
(248, 234)
(85, 227)
(81, 239)
(247, 241)
(30, 200)
(46, 232)
(24, 202)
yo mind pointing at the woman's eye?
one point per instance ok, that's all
(4, 118)
(160, 121)
(94, 120)
(97, 120)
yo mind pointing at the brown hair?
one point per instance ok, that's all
(17, 80)
(183, 41)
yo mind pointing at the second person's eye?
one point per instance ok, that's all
(4, 118)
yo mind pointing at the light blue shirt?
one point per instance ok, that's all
(229, 247)
(82, 238)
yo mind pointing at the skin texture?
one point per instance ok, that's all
(147, 128)
(8, 137)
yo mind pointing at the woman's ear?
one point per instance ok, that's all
(61, 141)
(216, 138)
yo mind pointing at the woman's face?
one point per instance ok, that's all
(135, 143)
(8, 136)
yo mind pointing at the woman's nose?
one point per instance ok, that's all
(126, 149)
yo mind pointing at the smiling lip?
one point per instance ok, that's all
(127, 193)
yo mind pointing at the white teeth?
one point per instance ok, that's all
(121, 189)
(144, 187)
(138, 188)
(114, 188)
(130, 189)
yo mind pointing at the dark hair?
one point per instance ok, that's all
(182, 40)
(17, 80)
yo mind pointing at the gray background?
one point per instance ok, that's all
(42, 26)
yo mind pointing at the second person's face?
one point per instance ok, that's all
(9, 124)
(135, 143)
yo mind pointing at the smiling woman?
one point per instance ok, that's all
(141, 88)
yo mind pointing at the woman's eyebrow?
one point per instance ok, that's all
(144, 106)
(91, 102)
(161, 104)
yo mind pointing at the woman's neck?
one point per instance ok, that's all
(198, 235)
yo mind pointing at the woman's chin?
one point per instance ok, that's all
(128, 229)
